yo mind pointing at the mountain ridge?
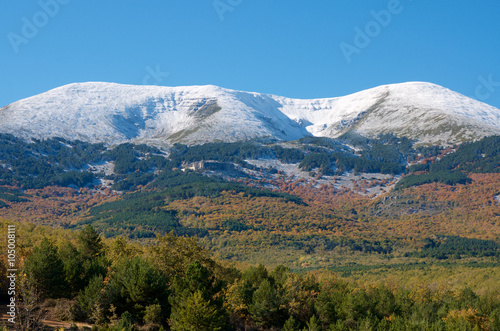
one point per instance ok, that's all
(114, 113)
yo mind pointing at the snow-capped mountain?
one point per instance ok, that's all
(114, 113)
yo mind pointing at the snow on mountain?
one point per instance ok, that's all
(421, 111)
(114, 113)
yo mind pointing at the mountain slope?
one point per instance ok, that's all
(114, 113)
(421, 111)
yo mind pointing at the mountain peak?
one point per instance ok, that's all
(115, 113)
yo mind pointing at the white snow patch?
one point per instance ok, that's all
(103, 167)
(346, 180)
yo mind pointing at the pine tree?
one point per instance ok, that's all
(91, 299)
(47, 270)
(135, 284)
(91, 245)
(291, 325)
(91, 252)
(73, 267)
(313, 324)
(196, 314)
(265, 306)
(196, 301)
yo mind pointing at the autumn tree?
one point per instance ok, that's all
(174, 254)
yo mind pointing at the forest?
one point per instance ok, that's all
(174, 284)
(163, 242)
(37, 164)
(279, 219)
(475, 157)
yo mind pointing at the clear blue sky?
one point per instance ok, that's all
(285, 47)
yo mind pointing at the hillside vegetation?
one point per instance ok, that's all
(244, 212)
(346, 234)
(173, 283)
